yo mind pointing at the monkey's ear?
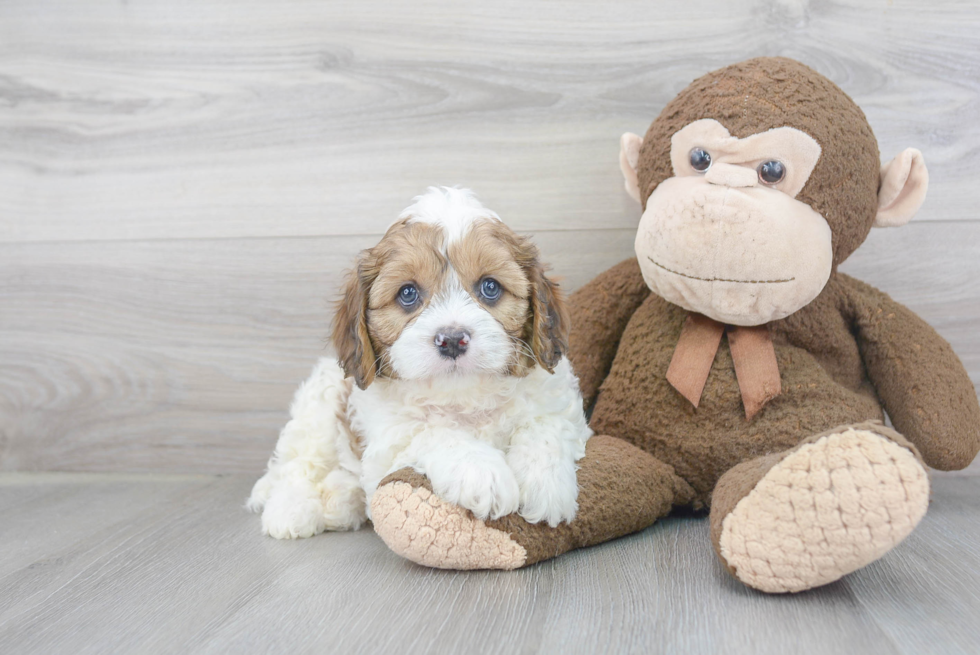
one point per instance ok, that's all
(629, 157)
(904, 181)
(350, 334)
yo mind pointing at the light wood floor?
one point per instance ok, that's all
(102, 563)
(183, 183)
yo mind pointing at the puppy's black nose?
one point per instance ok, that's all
(452, 343)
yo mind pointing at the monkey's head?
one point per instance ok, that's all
(756, 181)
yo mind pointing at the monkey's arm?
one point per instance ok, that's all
(599, 313)
(919, 379)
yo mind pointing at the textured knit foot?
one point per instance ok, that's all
(423, 528)
(621, 490)
(828, 508)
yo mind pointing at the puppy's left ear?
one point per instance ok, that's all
(549, 330)
(350, 333)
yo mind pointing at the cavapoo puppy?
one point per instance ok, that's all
(450, 342)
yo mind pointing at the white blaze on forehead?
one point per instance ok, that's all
(455, 210)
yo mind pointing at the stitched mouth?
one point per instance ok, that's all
(715, 279)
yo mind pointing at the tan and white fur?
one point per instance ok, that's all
(462, 379)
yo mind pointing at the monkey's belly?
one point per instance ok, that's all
(636, 403)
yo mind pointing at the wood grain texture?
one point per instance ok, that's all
(231, 118)
(179, 567)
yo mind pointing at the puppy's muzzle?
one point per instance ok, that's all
(452, 343)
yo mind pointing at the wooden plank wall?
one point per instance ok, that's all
(182, 182)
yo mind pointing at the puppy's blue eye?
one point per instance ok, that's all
(408, 295)
(490, 288)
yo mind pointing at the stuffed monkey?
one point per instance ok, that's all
(730, 366)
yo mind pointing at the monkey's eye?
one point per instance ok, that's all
(490, 289)
(700, 160)
(771, 172)
(407, 296)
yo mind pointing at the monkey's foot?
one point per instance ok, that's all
(421, 527)
(829, 507)
(621, 490)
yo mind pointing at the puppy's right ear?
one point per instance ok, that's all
(350, 332)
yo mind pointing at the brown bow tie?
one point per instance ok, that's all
(752, 354)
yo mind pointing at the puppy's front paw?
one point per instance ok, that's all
(292, 516)
(480, 482)
(549, 494)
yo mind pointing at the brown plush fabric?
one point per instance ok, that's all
(623, 489)
(410, 476)
(768, 92)
(825, 383)
(920, 380)
(740, 480)
(600, 311)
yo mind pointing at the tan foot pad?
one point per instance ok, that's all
(421, 527)
(827, 509)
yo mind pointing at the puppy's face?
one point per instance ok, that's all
(449, 290)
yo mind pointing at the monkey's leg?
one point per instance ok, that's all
(808, 516)
(622, 489)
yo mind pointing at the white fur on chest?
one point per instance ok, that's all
(390, 414)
